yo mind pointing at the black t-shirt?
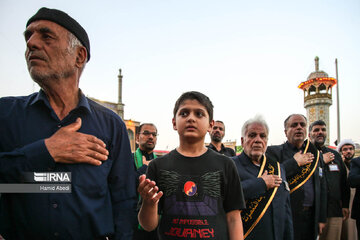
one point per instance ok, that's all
(198, 192)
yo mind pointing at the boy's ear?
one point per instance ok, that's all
(211, 125)
(174, 124)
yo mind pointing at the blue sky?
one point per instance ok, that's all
(247, 56)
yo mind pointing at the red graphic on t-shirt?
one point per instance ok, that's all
(190, 188)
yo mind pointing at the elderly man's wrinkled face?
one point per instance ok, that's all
(48, 55)
(255, 141)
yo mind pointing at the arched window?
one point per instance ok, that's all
(322, 88)
(312, 90)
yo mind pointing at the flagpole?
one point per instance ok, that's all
(337, 102)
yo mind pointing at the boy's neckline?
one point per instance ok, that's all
(192, 152)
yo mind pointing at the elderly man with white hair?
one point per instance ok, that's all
(268, 211)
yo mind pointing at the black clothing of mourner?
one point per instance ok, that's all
(308, 203)
(354, 180)
(338, 189)
(276, 223)
(224, 150)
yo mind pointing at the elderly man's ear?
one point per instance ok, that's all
(81, 56)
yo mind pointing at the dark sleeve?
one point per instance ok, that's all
(140, 171)
(122, 184)
(290, 164)
(29, 158)
(253, 187)
(323, 192)
(234, 197)
(354, 174)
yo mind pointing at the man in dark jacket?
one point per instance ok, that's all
(338, 190)
(303, 166)
(354, 180)
(268, 211)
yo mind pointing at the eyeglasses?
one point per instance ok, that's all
(146, 133)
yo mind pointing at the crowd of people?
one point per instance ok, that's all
(300, 189)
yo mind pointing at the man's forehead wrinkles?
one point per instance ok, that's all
(45, 30)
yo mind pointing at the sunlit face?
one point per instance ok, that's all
(348, 151)
(147, 138)
(217, 133)
(318, 135)
(48, 55)
(192, 121)
(296, 129)
(255, 141)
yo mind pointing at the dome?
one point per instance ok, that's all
(317, 74)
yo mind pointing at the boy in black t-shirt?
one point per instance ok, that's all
(200, 192)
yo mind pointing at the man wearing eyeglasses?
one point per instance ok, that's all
(146, 139)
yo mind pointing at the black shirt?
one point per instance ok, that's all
(224, 150)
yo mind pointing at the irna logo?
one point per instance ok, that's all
(52, 177)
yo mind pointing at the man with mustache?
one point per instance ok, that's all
(268, 212)
(59, 129)
(338, 190)
(303, 166)
(217, 133)
(146, 139)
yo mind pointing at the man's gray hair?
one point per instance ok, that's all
(74, 42)
(257, 119)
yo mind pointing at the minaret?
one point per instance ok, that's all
(318, 96)
(120, 105)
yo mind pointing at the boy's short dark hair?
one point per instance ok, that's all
(318, 122)
(194, 95)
